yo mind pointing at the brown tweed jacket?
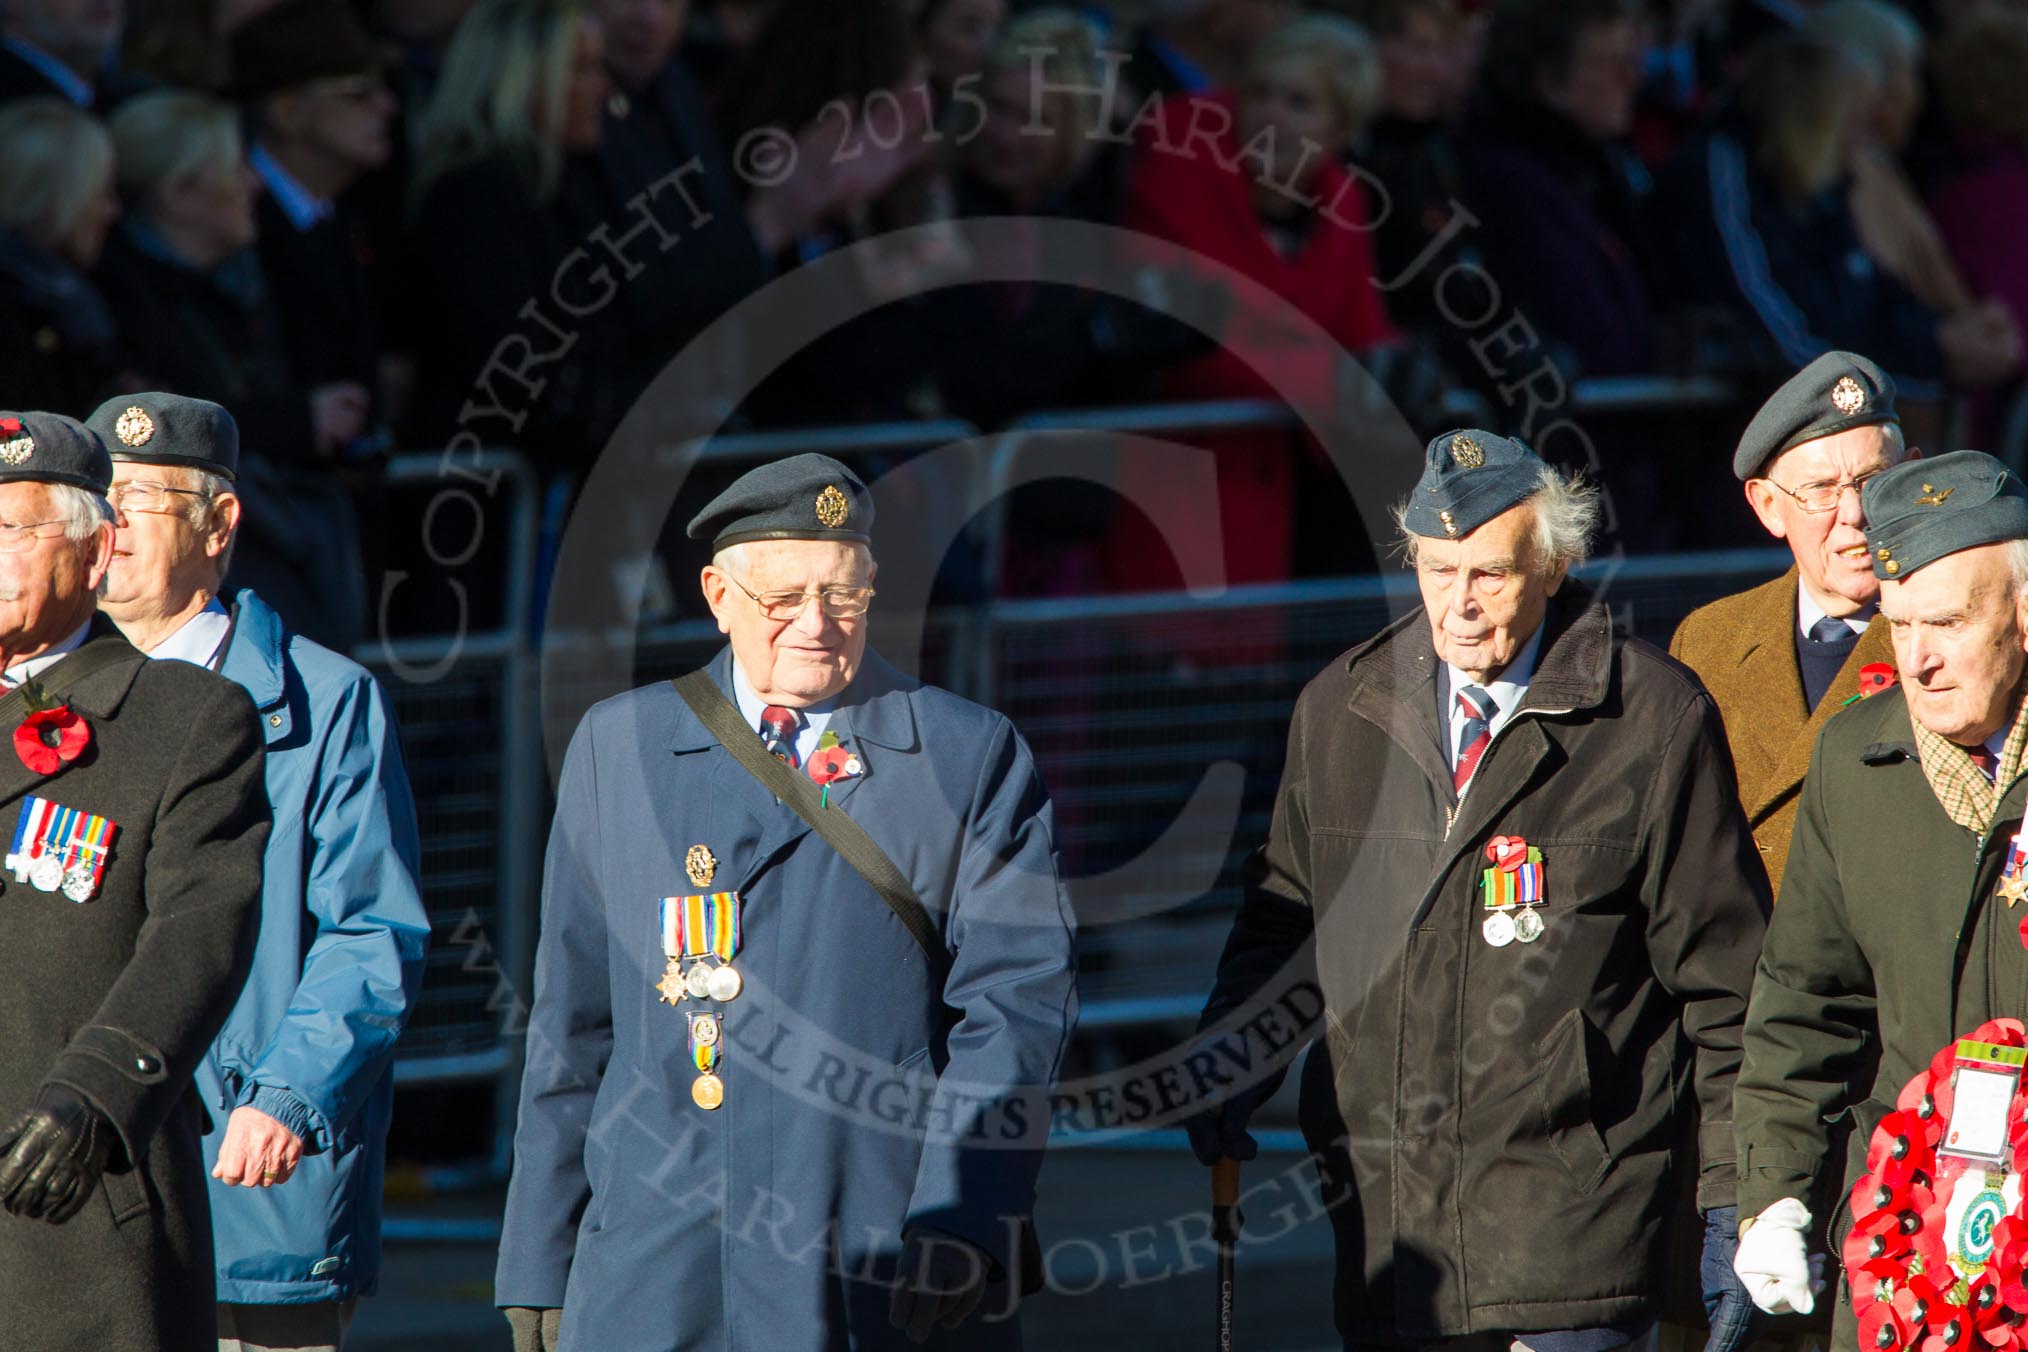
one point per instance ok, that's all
(1743, 648)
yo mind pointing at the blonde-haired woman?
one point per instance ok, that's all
(1893, 224)
(506, 184)
(194, 316)
(1764, 226)
(56, 205)
(1036, 137)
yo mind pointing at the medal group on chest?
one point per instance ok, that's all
(1511, 892)
(700, 938)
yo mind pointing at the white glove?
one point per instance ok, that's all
(1772, 1260)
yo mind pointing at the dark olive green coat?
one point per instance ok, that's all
(1887, 944)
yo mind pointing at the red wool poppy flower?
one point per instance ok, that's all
(1875, 677)
(49, 739)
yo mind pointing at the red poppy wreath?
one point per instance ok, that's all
(1939, 1239)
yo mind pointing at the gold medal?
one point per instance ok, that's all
(707, 1091)
(671, 985)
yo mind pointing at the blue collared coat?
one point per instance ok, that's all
(853, 1074)
(335, 972)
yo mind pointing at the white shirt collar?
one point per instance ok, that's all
(303, 207)
(1506, 691)
(35, 666)
(1808, 612)
(66, 80)
(198, 638)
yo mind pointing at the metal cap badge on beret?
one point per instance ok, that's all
(50, 448)
(1468, 478)
(805, 497)
(1835, 393)
(169, 429)
(1921, 510)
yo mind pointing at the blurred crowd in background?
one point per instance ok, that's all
(331, 216)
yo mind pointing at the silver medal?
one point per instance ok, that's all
(46, 873)
(78, 884)
(1528, 926)
(1498, 929)
(698, 981)
(704, 1029)
(725, 984)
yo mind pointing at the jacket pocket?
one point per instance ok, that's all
(128, 1194)
(1563, 1094)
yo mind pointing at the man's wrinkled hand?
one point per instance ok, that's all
(258, 1152)
(59, 1149)
(938, 1284)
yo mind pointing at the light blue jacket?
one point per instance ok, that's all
(335, 972)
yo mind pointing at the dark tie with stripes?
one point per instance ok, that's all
(1473, 735)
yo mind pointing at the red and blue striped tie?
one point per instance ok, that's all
(1473, 735)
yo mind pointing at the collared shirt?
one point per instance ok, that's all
(36, 665)
(1961, 788)
(303, 207)
(66, 80)
(1507, 691)
(199, 638)
(1808, 612)
(815, 716)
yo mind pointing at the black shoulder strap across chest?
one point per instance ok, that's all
(60, 679)
(721, 717)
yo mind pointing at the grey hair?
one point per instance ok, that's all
(735, 559)
(83, 512)
(2017, 565)
(1566, 519)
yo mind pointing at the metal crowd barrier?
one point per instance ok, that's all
(1127, 701)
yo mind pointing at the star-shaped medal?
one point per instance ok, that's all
(671, 985)
(2014, 889)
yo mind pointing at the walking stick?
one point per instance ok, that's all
(1225, 1223)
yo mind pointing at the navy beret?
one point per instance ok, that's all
(1468, 478)
(805, 497)
(1921, 510)
(169, 429)
(1835, 393)
(50, 448)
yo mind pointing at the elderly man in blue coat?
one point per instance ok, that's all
(805, 977)
(298, 1086)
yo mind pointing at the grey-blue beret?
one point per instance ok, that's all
(169, 429)
(1468, 478)
(805, 497)
(1835, 393)
(1921, 510)
(50, 448)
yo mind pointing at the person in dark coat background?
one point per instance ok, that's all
(60, 47)
(1509, 846)
(57, 344)
(123, 955)
(195, 316)
(1553, 184)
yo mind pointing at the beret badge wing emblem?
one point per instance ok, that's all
(1467, 453)
(1933, 497)
(832, 507)
(135, 427)
(1847, 397)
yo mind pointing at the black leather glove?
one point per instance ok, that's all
(55, 1154)
(940, 1281)
(534, 1329)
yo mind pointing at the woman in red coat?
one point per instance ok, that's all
(1255, 181)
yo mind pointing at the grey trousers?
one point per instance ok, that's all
(284, 1328)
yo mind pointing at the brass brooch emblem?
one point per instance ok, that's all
(135, 427)
(1932, 497)
(1450, 526)
(1846, 395)
(832, 507)
(1467, 453)
(700, 864)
